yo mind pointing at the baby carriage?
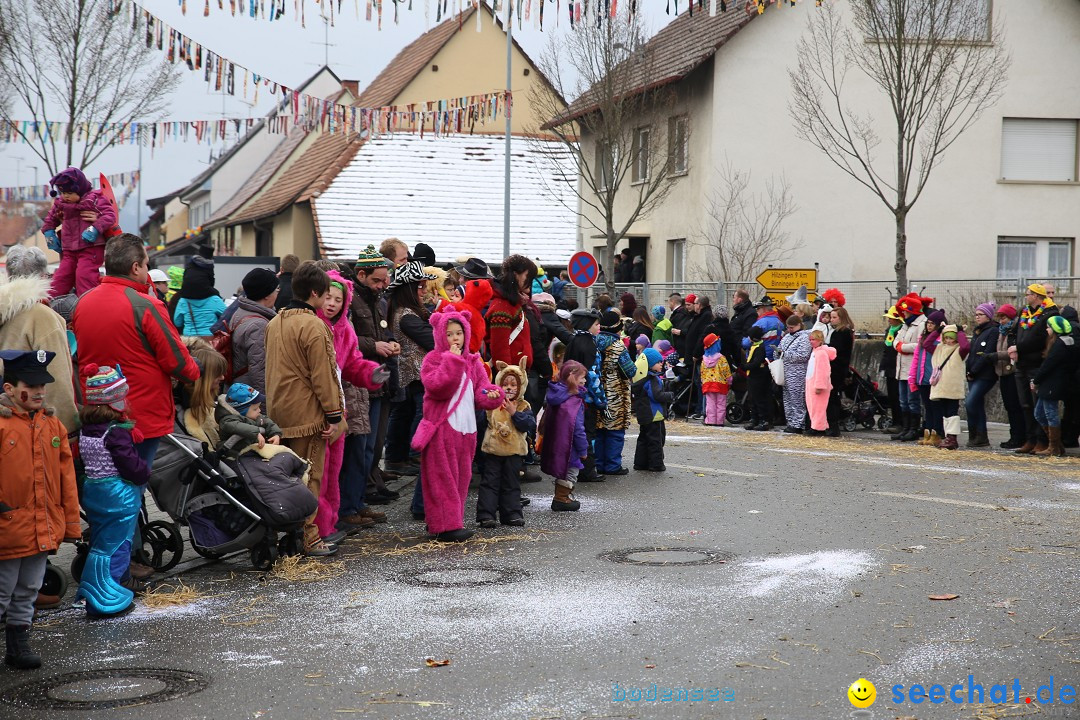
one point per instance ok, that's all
(862, 401)
(240, 503)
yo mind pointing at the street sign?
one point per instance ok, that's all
(781, 298)
(583, 269)
(788, 279)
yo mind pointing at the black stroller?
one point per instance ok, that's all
(241, 503)
(862, 401)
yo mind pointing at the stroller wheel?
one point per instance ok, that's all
(55, 581)
(209, 555)
(736, 413)
(883, 421)
(82, 550)
(849, 424)
(868, 423)
(162, 544)
(290, 543)
(264, 555)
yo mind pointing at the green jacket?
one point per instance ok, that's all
(662, 330)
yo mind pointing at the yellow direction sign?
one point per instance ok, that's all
(788, 279)
(781, 298)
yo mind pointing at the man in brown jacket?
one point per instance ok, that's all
(303, 392)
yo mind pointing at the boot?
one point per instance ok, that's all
(530, 474)
(935, 439)
(1042, 447)
(949, 443)
(19, 655)
(913, 428)
(563, 501)
(925, 438)
(979, 439)
(1027, 448)
(1053, 448)
(905, 427)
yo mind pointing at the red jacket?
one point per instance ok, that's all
(508, 335)
(117, 323)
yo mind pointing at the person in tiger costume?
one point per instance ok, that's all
(616, 371)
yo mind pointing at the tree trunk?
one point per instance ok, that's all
(901, 254)
(609, 260)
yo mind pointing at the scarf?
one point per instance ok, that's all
(890, 335)
(1029, 318)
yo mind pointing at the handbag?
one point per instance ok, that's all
(935, 374)
(776, 367)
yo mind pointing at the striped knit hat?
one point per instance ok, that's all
(370, 258)
(105, 386)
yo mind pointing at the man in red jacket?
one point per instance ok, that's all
(118, 323)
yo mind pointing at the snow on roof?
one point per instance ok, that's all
(448, 192)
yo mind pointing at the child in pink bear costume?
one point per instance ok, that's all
(456, 382)
(82, 242)
(354, 369)
(819, 382)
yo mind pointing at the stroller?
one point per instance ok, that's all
(241, 503)
(862, 401)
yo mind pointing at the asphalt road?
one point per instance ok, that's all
(822, 557)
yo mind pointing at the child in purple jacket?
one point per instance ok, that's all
(565, 445)
(82, 242)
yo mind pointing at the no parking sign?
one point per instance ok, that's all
(583, 269)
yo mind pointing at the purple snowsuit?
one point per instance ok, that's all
(565, 443)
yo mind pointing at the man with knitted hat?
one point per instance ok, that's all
(364, 451)
(254, 311)
(1027, 356)
(905, 342)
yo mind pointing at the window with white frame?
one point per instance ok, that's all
(640, 155)
(678, 149)
(676, 260)
(604, 167)
(1039, 149)
(1025, 257)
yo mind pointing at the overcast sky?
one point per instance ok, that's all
(282, 51)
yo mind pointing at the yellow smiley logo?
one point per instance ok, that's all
(862, 693)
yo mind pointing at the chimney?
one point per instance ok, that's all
(353, 86)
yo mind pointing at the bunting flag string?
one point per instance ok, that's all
(149, 134)
(127, 181)
(298, 109)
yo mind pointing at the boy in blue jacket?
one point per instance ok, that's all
(650, 403)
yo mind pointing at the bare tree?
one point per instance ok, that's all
(616, 131)
(940, 65)
(73, 61)
(743, 231)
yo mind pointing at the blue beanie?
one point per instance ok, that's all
(658, 312)
(242, 396)
(652, 356)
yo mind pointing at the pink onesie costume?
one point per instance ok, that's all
(354, 369)
(80, 260)
(454, 387)
(819, 375)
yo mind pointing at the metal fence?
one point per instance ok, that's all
(866, 300)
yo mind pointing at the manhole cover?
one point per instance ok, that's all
(463, 577)
(657, 556)
(107, 689)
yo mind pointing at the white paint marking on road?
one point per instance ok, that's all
(947, 501)
(891, 463)
(716, 471)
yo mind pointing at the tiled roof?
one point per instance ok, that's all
(447, 192)
(684, 44)
(408, 63)
(259, 178)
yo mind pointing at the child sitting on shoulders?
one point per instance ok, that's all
(505, 446)
(241, 422)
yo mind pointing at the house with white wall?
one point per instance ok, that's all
(1004, 201)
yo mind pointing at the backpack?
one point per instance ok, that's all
(222, 342)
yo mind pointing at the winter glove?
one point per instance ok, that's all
(380, 375)
(912, 386)
(90, 234)
(52, 241)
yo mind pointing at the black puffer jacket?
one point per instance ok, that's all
(743, 317)
(1031, 341)
(983, 354)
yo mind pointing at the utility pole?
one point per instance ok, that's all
(506, 109)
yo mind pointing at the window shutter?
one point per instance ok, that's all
(1035, 149)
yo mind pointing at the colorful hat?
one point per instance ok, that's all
(242, 396)
(643, 340)
(370, 258)
(1038, 289)
(986, 309)
(710, 339)
(691, 299)
(410, 272)
(105, 385)
(949, 330)
(720, 311)
(659, 312)
(910, 304)
(1060, 325)
(70, 180)
(937, 317)
(176, 277)
(663, 346)
(834, 297)
(893, 314)
(30, 366)
(652, 356)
